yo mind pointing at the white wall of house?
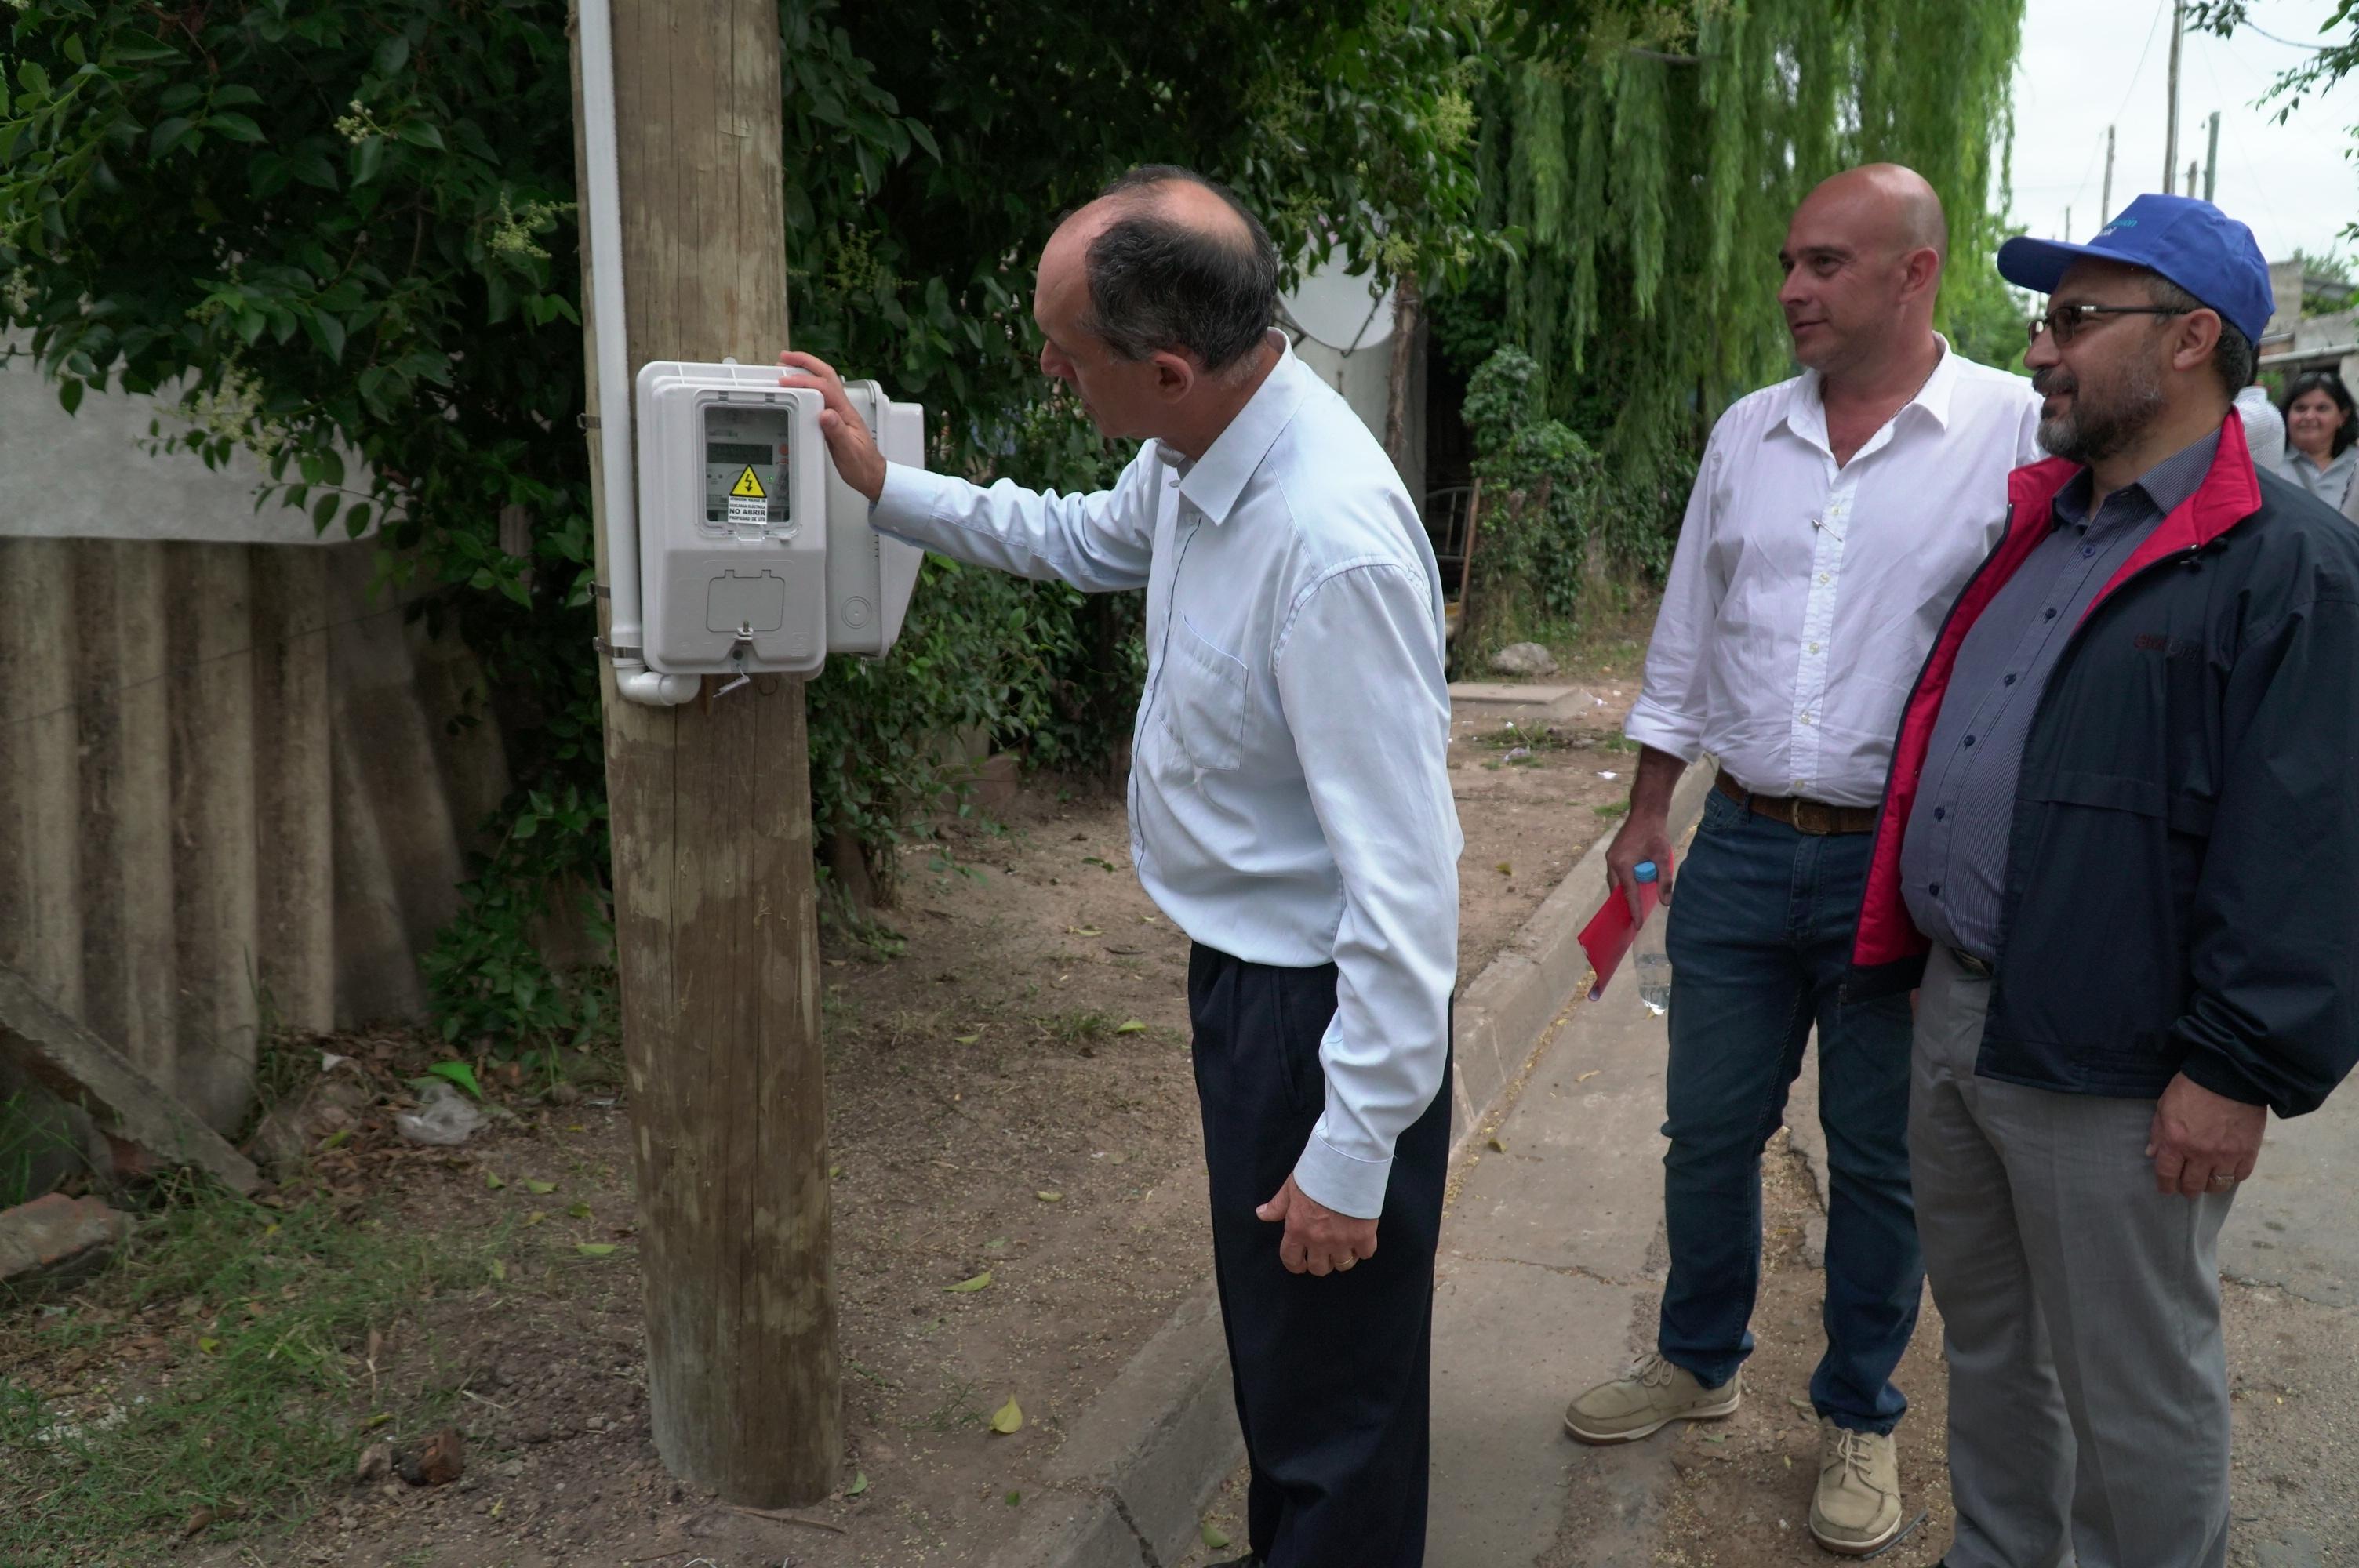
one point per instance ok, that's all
(89, 475)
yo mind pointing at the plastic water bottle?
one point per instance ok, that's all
(1647, 955)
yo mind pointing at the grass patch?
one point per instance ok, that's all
(34, 1139)
(1534, 738)
(1612, 808)
(1074, 1028)
(217, 1365)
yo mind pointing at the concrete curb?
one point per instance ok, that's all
(1505, 1014)
(1129, 1484)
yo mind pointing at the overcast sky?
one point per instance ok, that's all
(2089, 63)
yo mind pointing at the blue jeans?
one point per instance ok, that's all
(1761, 921)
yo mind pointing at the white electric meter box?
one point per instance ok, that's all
(755, 554)
(732, 521)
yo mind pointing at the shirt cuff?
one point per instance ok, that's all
(1652, 724)
(1347, 1185)
(908, 503)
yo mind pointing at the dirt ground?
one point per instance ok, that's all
(1010, 1092)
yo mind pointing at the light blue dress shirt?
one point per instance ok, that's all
(1289, 798)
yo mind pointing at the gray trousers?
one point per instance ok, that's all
(2080, 1312)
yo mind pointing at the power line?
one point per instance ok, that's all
(2136, 72)
(2289, 43)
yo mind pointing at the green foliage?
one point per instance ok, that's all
(341, 235)
(1538, 539)
(2334, 267)
(1649, 155)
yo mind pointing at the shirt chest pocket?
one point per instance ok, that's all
(1204, 700)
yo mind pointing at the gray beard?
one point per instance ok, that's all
(2091, 433)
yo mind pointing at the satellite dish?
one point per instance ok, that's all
(1335, 308)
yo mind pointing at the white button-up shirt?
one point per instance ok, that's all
(1804, 597)
(1289, 802)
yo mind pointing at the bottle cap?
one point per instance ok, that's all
(1644, 872)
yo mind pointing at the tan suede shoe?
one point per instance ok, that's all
(1857, 1509)
(1654, 1394)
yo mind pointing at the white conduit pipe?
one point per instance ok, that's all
(624, 635)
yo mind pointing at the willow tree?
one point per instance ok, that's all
(1650, 156)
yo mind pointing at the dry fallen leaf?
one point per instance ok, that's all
(968, 1287)
(1008, 1419)
(1049, 1197)
(595, 1249)
(1214, 1536)
(539, 1188)
(1130, 1026)
(1589, 1074)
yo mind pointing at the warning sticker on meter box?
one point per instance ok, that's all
(749, 505)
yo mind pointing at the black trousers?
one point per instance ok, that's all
(1333, 1375)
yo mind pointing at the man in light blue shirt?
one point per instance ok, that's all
(1289, 810)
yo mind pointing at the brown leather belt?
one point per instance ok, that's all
(1815, 818)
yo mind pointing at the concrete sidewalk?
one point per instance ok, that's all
(1550, 1269)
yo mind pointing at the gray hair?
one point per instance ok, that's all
(1158, 284)
(2235, 357)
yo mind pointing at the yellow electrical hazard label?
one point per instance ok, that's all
(748, 486)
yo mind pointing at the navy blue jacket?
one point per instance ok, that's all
(2182, 875)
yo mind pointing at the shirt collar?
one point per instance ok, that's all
(1213, 482)
(1806, 407)
(2168, 485)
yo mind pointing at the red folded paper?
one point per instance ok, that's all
(1610, 931)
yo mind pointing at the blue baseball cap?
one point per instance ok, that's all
(2192, 242)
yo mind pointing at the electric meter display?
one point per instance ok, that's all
(747, 453)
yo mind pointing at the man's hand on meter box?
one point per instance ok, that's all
(848, 440)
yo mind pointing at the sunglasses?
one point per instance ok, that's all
(2064, 322)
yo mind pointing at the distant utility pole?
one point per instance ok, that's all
(2067, 225)
(2191, 167)
(2105, 205)
(716, 918)
(2211, 159)
(2170, 132)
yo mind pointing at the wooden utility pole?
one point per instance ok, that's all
(2105, 202)
(715, 919)
(2170, 129)
(2211, 159)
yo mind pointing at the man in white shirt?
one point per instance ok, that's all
(1835, 517)
(1289, 810)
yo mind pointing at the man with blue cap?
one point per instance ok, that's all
(2119, 853)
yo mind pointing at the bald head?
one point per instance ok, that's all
(1863, 262)
(1885, 204)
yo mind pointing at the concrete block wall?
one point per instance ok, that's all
(230, 793)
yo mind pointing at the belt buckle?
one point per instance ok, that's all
(1815, 818)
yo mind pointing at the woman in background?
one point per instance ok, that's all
(2322, 425)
